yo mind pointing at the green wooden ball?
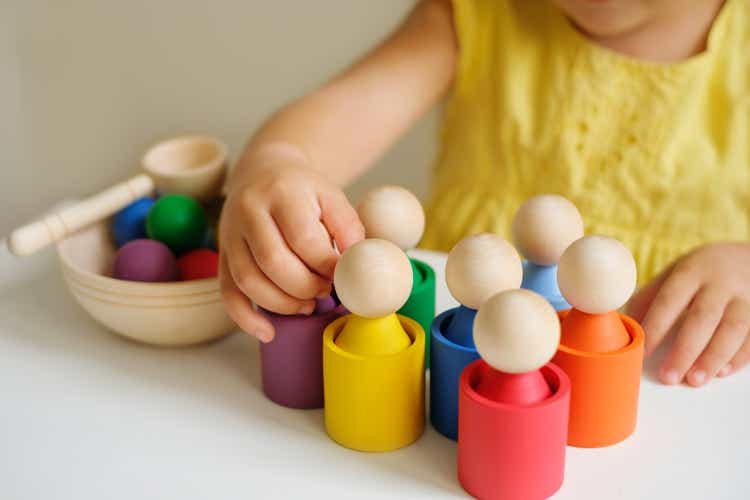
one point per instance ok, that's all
(178, 221)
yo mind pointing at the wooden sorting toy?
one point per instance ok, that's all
(173, 314)
(178, 221)
(478, 267)
(167, 314)
(194, 166)
(199, 264)
(543, 227)
(130, 223)
(513, 404)
(600, 349)
(292, 363)
(145, 260)
(393, 213)
(373, 359)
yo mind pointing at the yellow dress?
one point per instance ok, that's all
(656, 155)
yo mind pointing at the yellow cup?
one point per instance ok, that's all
(374, 403)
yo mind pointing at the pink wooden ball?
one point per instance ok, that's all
(480, 266)
(373, 278)
(544, 226)
(597, 274)
(516, 331)
(145, 260)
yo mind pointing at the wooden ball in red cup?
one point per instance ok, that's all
(198, 264)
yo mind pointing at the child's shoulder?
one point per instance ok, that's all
(729, 44)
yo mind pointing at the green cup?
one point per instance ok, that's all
(421, 304)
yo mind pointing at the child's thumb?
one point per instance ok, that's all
(340, 219)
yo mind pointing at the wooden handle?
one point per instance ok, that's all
(54, 227)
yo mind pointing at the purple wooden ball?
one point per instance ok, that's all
(145, 260)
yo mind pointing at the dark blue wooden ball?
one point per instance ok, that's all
(130, 223)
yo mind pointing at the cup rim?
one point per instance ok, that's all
(107, 284)
(215, 163)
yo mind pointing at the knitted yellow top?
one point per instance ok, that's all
(656, 155)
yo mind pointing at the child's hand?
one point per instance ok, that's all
(280, 215)
(711, 286)
(275, 238)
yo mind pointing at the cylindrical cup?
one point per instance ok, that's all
(604, 403)
(421, 303)
(374, 403)
(292, 363)
(448, 361)
(507, 451)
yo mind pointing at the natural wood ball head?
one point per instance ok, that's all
(373, 278)
(597, 274)
(392, 213)
(480, 266)
(544, 226)
(516, 331)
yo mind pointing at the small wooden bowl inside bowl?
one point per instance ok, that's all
(169, 314)
(192, 165)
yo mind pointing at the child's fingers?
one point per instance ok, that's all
(279, 263)
(639, 304)
(672, 298)
(695, 332)
(306, 236)
(725, 343)
(740, 360)
(256, 285)
(341, 219)
(239, 307)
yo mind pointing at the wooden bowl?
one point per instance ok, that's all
(168, 314)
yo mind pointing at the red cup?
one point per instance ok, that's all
(507, 451)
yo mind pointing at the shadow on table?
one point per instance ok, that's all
(42, 315)
(432, 459)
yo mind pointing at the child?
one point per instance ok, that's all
(637, 111)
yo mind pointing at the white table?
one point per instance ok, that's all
(86, 414)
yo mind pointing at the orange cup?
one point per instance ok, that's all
(604, 395)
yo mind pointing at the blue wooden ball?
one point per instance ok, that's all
(130, 223)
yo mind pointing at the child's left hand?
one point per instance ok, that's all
(709, 288)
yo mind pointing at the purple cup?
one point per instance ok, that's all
(145, 260)
(292, 363)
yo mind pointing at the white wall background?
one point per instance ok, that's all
(87, 85)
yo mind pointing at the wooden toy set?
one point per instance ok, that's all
(373, 358)
(513, 404)
(542, 229)
(292, 363)
(291, 366)
(601, 350)
(393, 213)
(123, 250)
(536, 357)
(515, 374)
(478, 267)
(151, 234)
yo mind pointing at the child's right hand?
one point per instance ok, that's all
(276, 238)
(281, 214)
